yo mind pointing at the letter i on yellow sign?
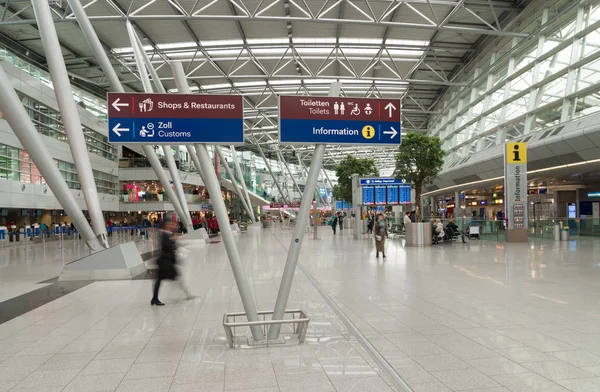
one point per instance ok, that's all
(516, 152)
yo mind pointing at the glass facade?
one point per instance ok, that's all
(525, 85)
(16, 165)
(49, 123)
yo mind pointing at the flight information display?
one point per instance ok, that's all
(380, 195)
(392, 194)
(368, 195)
(405, 194)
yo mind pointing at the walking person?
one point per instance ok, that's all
(369, 224)
(166, 261)
(380, 231)
(333, 222)
(341, 220)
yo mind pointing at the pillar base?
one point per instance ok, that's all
(122, 261)
(194, 236)
(517, 235)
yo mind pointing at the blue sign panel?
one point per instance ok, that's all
(322, 191)
(381, 181)
(380, 194)
(392, 194)
(368, 195)
(336, 120)
(175, 118)
(405, 194)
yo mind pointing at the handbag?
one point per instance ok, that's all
(378, 238)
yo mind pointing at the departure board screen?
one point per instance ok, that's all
(380, 195)
(368, 195)
(392, 194)
(404, 194)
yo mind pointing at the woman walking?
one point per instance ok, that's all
(166, 262)
(380, 230)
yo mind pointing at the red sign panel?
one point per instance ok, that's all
(339, 108)
(143, 105)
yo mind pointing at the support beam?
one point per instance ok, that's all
(167, 150)
(296, 244)
(239, 192)
(148, 150)
(18, 119)
(184, 88)
(289, 171)
(242, 181)
(260, 150)
(214, 189)
(70, 117)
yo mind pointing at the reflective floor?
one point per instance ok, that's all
(473, 317)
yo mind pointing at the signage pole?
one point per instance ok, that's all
(70, 117)
(212, 184)
(148, 150)
(182, 87)
(303, 214)
(235, 185)
(270, 171)
(214, 189)
(318, 195)
(238, 168)
(166, 148)
(289, 171)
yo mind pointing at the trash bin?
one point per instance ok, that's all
(557, 232)
(564, 234)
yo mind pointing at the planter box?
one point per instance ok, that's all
(418, 234)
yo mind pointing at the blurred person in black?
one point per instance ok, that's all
(166, 262)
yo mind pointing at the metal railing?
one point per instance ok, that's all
(300, 325)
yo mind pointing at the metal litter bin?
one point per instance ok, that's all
(564, 234)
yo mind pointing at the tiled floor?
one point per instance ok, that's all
(475, 317)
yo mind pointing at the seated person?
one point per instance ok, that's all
(452, 225)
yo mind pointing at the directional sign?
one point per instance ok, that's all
(175, 118)
(381, 181)
(336, 120)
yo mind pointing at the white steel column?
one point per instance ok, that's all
(167, 150)
(214, 190)
(530, 118)
(184, 88)
(317, 194)
(289, 171)
(303, 214)
(70, 116)
(12, 109)
(238, 169)
(269, 169)
(248, 208)
(148, 150)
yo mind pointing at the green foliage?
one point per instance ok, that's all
(419, 160)
(344, 171)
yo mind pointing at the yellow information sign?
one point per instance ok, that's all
(516, 152)
(368, 132)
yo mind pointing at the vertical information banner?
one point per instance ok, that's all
(515, 185)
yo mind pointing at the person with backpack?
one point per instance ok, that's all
(333, 221)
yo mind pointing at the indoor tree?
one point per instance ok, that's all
(344, 171)
(419, 161)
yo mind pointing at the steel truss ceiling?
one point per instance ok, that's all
(411, 49)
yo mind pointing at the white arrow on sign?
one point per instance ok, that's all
(118, 130)
(116, 104)
(390, 108)
(393, 132)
